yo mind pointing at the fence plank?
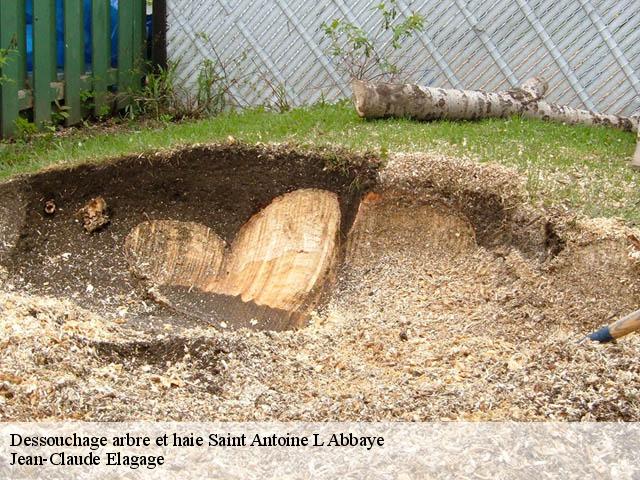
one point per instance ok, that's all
(138, 41)
(159, 34)
(53, 65)
(9, 83)
(101, 54)
(43, 59)
(25, 97)
(22, 43)
(125, 49)
(73, 59)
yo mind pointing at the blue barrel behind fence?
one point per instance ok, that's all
(87, 33)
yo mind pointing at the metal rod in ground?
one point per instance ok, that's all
(618, 329)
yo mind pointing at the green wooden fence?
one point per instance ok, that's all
(79, 91)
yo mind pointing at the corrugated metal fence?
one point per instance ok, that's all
(588, 50)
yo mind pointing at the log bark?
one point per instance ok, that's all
(531, 90)
(542, 110)
(425, 103)
(380, 100)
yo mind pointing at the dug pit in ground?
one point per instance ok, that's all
(452, 298)
(232, 236)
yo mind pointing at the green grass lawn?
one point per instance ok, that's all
(581, 167)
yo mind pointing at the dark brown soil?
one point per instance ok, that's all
(224, 311)
(218, 186)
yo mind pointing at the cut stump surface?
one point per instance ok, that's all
(273, 272)
(169, 252)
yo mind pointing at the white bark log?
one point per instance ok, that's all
(381, 100)
(564, 114)
(425, 103)
(531, 90)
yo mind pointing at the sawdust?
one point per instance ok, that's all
(456, 299)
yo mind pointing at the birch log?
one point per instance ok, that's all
(426, 103)
(380, 100)
(563, 114)
(531, 90)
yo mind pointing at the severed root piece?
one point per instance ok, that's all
(283, 252)
(50, 207)
(269, 278)
(168, 252)
(94, 214)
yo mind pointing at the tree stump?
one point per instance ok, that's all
(270, 277)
